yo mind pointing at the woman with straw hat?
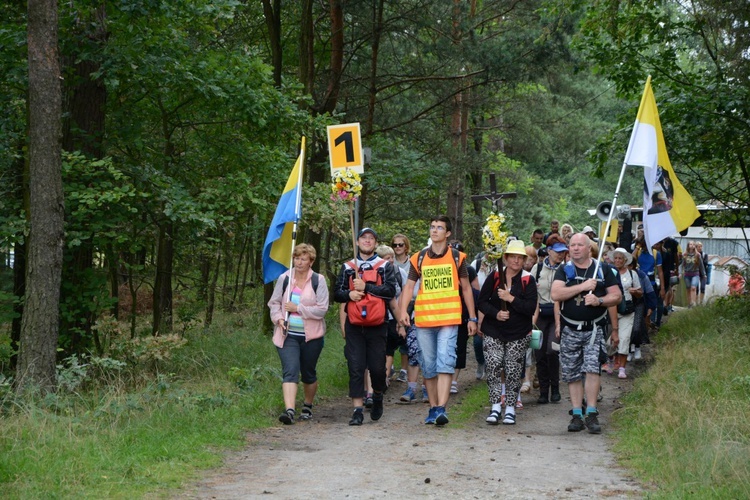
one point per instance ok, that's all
(631, 286)
(508, 300)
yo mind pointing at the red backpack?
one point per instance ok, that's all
(371, 310)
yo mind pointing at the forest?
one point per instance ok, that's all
(146, 143)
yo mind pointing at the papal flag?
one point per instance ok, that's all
(277, 250)
(667, 206)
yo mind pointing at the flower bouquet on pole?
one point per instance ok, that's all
(495, 239)
(346, 187)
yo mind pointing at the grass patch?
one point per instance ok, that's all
(154, 435)
(475, 400)
(685, 427)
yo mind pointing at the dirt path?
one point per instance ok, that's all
(399, 456)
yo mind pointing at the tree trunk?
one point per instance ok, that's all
(272, 13)
(40, 327)
(211, 301)
(162, 313)
(331, 98)
(307, 47)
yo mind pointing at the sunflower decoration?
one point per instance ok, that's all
(346, 185)
(494, 236)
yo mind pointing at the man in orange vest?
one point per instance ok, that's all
(442, 272)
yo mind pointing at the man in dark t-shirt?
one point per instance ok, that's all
(585, 293)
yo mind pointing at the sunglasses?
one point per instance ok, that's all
(398, 245)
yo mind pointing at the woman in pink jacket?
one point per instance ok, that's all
(298, 308)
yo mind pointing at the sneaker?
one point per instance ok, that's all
(630, 357)
(622, 373)
(637, 354)
(555, 398)
(576, 424)
(408, 396)
(368, 401)
(431, 416)
(402, 376)
(441, 417)
(480, 371)
(377, 406)
(425, 397)
(287, 418)
(454, 387)
(592, 423)
(357, 418)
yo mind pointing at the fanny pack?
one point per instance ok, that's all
(547, 310)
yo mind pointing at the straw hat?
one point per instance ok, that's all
(628, 256)
(516, 247)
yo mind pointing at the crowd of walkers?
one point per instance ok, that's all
(589, 309)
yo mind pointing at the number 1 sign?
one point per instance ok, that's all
(345, 148)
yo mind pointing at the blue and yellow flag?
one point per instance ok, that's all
(667, 206)
(277, 250)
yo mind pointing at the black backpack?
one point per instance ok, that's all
(314, 280)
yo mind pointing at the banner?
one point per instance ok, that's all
(667, 206)
(277, 250)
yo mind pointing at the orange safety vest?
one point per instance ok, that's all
(438, 301)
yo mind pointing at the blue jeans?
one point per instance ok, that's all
(438, 345)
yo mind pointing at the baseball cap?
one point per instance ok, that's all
(588, 229)
(366, 230)
(559, 247)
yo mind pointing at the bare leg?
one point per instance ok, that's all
(576, 393)
(431, 384)
(443, 388)
(289, 389)
(310, 390)
(593, 382)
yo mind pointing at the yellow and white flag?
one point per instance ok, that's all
(667, 206)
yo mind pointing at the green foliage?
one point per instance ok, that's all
(156, 432)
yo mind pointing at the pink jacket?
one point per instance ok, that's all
(312, 307)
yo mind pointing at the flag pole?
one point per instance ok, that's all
(609, 218)
(297, 205)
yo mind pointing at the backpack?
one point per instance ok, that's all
(524, 280)
(314, 280)
(371, 310)
(570, 274)
(456, 257)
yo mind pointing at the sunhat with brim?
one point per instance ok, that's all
(516, 247)
(625, 253)
(558, 247)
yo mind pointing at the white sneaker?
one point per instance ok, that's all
(480, 371)
(630, 357)
(637, 353)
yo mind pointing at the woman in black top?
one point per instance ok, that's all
(508, 300)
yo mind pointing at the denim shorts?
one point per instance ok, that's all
(692, 281)
(438, 346)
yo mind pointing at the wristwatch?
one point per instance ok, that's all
(474, 320)
(601, 301)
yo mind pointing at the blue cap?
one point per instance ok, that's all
(366, 230)
(559, 247)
